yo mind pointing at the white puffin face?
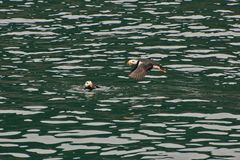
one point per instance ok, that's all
(132, 61)
(88, 84)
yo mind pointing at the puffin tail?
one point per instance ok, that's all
(162, 69)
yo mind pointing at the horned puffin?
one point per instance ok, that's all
(89, 85)
(142, 66)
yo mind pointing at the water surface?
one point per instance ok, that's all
(50, 48)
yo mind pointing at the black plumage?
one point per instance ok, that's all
(142, 66)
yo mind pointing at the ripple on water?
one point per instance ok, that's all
(171, 145)
(30, 89)
(26, 33)
(192, 17)
(174, 155)
(187, 67)
(42, 151)
(59, 122)
(216, 116)
(137, 136)
(161, 47)
(126, 152)
(235, 43)
(2, 134)
(69, 67)
(24, 20)
(19, 112)
(206, 34)
(216, 55)
(96, 124)
(17, 155)
(187, 100)
(71, 147)
(74, 133)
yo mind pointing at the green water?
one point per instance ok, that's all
(50, 48)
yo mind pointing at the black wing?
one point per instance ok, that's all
(140, 71)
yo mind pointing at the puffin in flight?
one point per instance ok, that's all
(89, 85)
(142, 66)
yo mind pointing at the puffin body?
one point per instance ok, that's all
(142, 66)
(89, 85)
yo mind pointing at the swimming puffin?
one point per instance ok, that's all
(89, 85)
(142, 66)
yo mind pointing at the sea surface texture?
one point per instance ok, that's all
(49, 48)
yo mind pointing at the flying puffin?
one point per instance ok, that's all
(89, 85)
(142, 66)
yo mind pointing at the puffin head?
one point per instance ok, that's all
(88, 85)
(132, 62)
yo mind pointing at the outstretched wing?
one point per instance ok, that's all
(140, 71)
